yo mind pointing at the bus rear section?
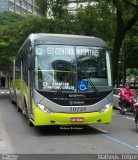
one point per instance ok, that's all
(69, 81)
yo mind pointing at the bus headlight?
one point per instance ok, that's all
(44, 108)
(106, 107)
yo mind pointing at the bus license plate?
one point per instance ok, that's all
(76, 119)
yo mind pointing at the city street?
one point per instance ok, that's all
(62, 60)
(17, 137)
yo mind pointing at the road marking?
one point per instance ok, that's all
(125, 117)
(6, 92)
(99, 129)
(130, 118)
(115, 139)
(2, 92)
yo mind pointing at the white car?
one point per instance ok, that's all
(116, 96)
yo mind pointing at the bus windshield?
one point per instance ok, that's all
(71, 68)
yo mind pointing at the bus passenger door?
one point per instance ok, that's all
(30, 83)
(20, 93)
(22, 87)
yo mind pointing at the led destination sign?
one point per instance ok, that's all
(68, 50)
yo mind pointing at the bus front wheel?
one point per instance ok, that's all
(25, 112)
(28, 120)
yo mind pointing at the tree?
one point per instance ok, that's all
(59, 8)
(130, 50)
(14, 34)
(96, 20)
(42, 6)
(109, 20)
(126, 17)
(6, 18)
(52, 8)
(9, 17)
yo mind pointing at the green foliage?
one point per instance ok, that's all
(126, 18)
(97, 20)
(52, 8)
(9, 17)
(106, 19)
(130, 49)
(3, 44)
(133, 72)
(42, 6)
(58, 8)
(14, 34)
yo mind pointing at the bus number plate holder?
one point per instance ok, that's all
(76, 119)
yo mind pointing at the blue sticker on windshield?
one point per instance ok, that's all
(83, 85)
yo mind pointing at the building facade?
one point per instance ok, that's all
(19, 6)
(28, 6)
(75, 4)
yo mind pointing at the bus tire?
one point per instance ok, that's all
(18, 108)
(28, 120)
(12, 102)
(136, 118)
(30, 123)
(121, 111)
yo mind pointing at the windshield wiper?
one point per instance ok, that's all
(84, 74)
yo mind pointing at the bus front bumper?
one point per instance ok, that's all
(41, 118)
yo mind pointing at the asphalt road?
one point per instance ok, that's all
(16, 136)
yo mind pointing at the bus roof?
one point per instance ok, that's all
(49, 38)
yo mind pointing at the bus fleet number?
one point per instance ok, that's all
(77, 109)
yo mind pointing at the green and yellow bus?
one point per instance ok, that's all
(60, 79)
